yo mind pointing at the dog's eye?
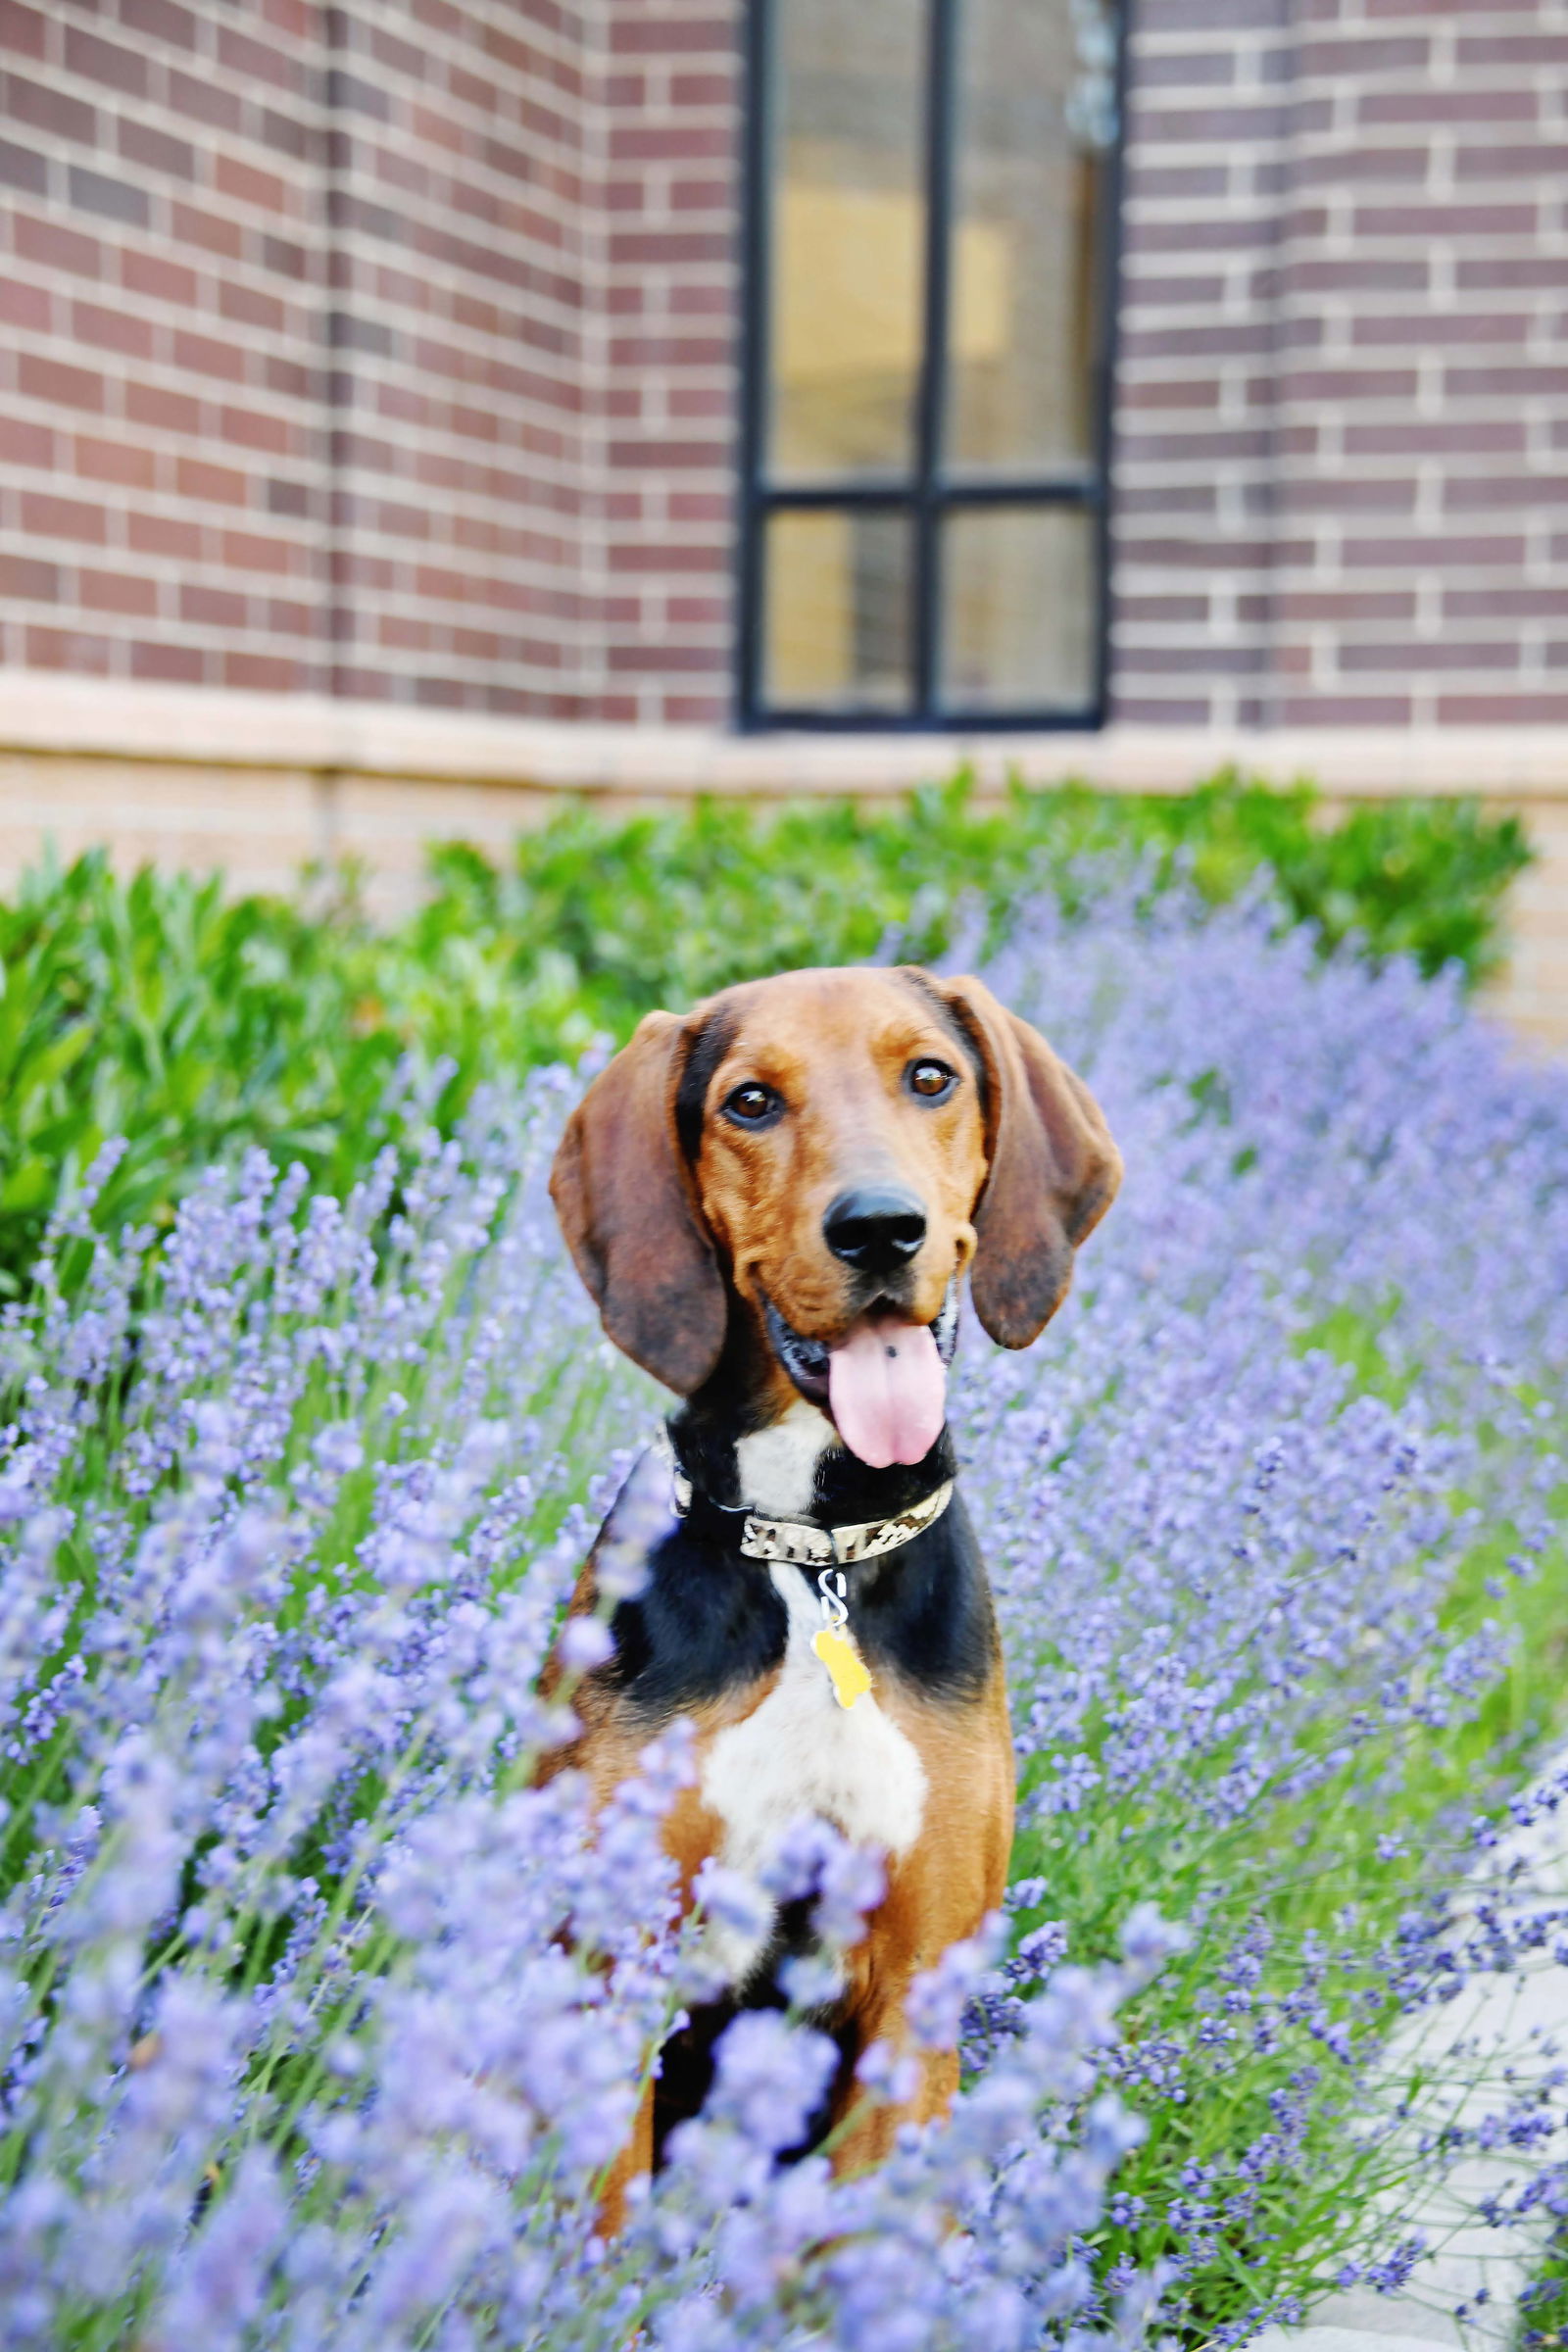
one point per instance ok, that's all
(752, 1104)
(930, 1079)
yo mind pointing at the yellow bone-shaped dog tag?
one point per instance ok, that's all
(843, 1662)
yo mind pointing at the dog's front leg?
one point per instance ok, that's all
(865, 2122)
(634, 2163)
(939, 1894)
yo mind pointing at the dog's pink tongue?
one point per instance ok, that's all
(887, 1386)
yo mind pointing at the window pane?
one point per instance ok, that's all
(847, 228)
(837, 607)
(1035, 117)
(1019, 599)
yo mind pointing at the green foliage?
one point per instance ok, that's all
(604, 923)
(1419, 878)
(1543, 2320)
(191, 1025)
(157, 1012)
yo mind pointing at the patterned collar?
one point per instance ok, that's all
(806, 1545)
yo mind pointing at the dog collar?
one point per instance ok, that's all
(803, 1546)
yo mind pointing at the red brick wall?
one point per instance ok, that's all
(1342, 473)
(388, 347)
(380, 348)
(163, 509)
(458, 320)
(671, 204)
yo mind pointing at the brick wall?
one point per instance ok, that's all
(672, 205)
(459, 270)
(1342, 422)
(164, 509)
(380, 349)
(388, 349)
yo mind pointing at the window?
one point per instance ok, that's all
(930, 208)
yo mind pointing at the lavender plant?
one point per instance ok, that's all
(320, 2023)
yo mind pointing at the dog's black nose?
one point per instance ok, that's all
(875, 1231)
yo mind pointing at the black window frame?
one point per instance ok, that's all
(931, 493)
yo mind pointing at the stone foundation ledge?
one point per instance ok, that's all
(48, 713)
(261, 785)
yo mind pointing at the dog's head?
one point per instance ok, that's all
(824, 1154)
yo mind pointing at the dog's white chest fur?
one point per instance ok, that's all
(777, 1466)
(802, 1754)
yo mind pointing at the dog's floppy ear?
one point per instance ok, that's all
(1054, 1169)
(623, 1196)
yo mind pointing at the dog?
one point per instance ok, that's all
(772, 1202)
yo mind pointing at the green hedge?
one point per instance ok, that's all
(190, 1024)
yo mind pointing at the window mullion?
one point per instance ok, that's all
(940, 89)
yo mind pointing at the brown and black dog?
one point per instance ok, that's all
(772, 1202)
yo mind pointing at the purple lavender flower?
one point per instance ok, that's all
(320, 2026)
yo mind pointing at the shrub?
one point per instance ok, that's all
(319, 2025)
(191, 1025)
(607, 923)
(157, 1012)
